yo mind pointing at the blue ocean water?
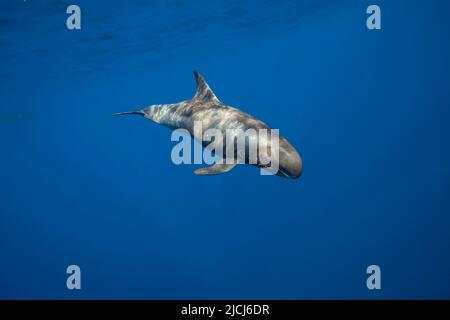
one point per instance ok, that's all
(367, 110)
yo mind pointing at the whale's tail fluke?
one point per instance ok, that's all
(128, 112)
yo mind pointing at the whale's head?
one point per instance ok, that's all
(290, 163)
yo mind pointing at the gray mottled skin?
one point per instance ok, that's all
(213, 114)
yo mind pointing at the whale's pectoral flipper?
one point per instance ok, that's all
(204, 92)
(216, 168)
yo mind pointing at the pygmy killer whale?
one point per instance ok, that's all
(207, 109)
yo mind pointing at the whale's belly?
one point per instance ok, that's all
(233, 133)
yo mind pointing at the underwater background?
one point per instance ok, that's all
(368, 111)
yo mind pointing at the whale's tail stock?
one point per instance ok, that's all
(128, 112)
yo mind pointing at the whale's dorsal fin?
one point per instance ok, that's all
(204, 92)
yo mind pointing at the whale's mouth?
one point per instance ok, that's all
(286, 174)
(283, 174)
